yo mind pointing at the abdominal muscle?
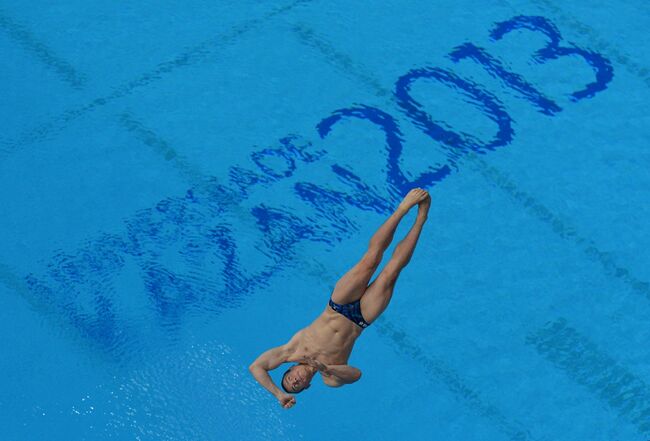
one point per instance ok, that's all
(329, 339)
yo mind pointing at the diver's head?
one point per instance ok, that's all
(297, 378)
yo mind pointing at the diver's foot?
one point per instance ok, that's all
(423, 207)
(415, 196)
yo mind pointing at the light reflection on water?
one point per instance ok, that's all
(196, 394)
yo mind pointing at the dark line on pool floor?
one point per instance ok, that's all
(190, 172)
(51, 314)
(587, 365)
(437, 368)
(188, 58)
(561, 227)
(147, 136)
(341, 61)
(39, 50)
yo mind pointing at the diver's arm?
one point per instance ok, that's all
(262, 376)
(346, 374)
(269, 360)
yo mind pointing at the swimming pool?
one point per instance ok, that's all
(184, 185)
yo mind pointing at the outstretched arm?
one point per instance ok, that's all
(260, 368)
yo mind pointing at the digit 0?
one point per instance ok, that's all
(457, 143)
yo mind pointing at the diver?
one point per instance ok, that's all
(325, 345)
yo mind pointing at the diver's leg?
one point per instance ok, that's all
(376, 298)
(352, 285)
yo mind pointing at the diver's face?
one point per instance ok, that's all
(298, 378)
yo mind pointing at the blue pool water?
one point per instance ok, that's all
(184, 184)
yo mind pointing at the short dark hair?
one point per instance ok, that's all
(282, 382)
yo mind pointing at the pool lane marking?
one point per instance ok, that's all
(190, 172)
(438, 369)
(492, 174)
(188, 58)
(30, 43)
(51, 313)
(560, 226)
(586, 364)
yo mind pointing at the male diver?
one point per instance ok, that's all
(325, 345)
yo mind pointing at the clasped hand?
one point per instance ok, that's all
(315, 363)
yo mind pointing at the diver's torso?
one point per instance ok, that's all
(329, 339)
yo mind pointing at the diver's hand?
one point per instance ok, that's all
(317, 364)
(286, 400)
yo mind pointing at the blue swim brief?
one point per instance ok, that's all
(352, 311)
